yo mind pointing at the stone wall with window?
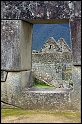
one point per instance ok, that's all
(16, 51)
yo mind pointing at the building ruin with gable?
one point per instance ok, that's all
(51, 61)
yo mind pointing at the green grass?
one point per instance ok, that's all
(17, 112)
(66, 116)
(40, 84)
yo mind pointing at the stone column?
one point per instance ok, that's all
(75, 25)
(16, 47)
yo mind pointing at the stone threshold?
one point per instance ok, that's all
(48, 90)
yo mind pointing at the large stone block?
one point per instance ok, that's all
(3, 75)
(40, 9)
(3, 91)
(76, 94)
(15, 82)
(75, 26)
(26, 79)
(26, 45)
(46, 99)
(16, 39)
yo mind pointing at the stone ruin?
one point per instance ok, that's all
(51, 61)
(52, 46)
(17, 19)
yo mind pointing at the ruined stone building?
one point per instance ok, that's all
(52, 46)
(56, 51)
(56, 55)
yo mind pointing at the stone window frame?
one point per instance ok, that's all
(48, 21)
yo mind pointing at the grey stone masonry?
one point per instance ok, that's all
(15, 82)
(15, 44)
(17, 19)
(76, 40)
(40, 9)
(3, 75)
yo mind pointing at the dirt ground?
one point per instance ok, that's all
(39, 118)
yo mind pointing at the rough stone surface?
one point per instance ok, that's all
(10, 39)
(16, 53)
(67, 75)
(4, 105)
(3, 75)
(15, 82)
(76, 95)
(76, 40)
(55, 83)
(42, 98)
(4, 91)
(46, 99)
(40, 9)
(52, 46)
(16, 37)
(55, 57)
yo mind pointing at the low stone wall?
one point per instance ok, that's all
(45, 57)
(52, 73)
(47, 72)
(67, 75)
(52, 57)
(45, 99)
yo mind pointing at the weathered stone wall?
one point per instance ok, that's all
(35, 12)
(51, 73)
(48, 73)
(50, 66)
(40, 9)
(76, 77)
(63, 45)
(76, 50)
(66, 75)
(16, 39)
(46, 57)
(47, 99)
(76, 40)
(43, 99)
(10, 39)
(65, 57)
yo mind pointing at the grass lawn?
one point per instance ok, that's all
(14, 115)
(16, 112)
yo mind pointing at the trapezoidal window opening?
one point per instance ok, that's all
(52, 56)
